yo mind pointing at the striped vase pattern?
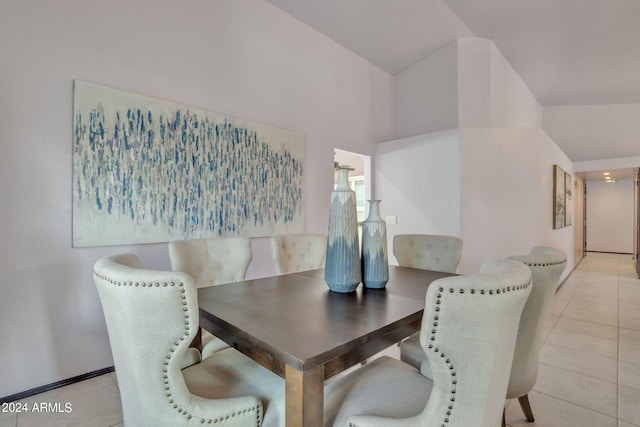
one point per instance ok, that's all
(342, 264)
(375, 264)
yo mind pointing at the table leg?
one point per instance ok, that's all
(304, 397)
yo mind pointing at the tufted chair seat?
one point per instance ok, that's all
(468, 333)
(298, 252)
(426, 252)
(212, 262)
(151, 318)
(546, 265)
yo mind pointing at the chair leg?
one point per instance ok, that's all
(526, 407)
(504, 422)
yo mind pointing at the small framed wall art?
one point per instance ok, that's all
(568, 203)
(562, 198)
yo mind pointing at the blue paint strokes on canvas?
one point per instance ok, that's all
(186, 173)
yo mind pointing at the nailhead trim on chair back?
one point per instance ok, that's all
(124, 272)
(448, 297)
(546, 265)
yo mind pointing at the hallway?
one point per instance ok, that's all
(589, 373)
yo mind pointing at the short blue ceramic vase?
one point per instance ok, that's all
(375, 264)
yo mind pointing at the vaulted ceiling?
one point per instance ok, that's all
(580, 58)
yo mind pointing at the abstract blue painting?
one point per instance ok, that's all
(147, 170)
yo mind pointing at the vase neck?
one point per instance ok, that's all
(343, 179)
(374, 210)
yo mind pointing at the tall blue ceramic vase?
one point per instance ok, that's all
(375, 264)
(342, 264)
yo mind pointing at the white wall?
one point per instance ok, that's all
(491, 93)
(490, 186)
(507, 161)
(503, 195)
(242, 58)
(512, 103)
(610, 216)
(500, 194)
(467, 83)
(418, 181)
(507, 189)
(426, 94)
(563, 238)
(474, 82)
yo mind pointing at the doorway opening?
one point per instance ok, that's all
(610, 211)
(359, 178)
(636, 216)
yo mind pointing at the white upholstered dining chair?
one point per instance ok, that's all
(298, 252)
(210, 262)
(426, 252)
(151, 318)
(468, 332)
(214, 261)
(547, 265)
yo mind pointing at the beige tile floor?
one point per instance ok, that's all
(589, 372)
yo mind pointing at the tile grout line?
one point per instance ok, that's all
(590, 321)
(575, 404)
(580, 373)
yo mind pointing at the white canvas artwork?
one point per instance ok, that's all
(147, 170)
(558, 197)
(568, 199)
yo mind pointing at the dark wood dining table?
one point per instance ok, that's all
(296, 327)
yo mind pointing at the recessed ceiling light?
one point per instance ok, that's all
(606, 173)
